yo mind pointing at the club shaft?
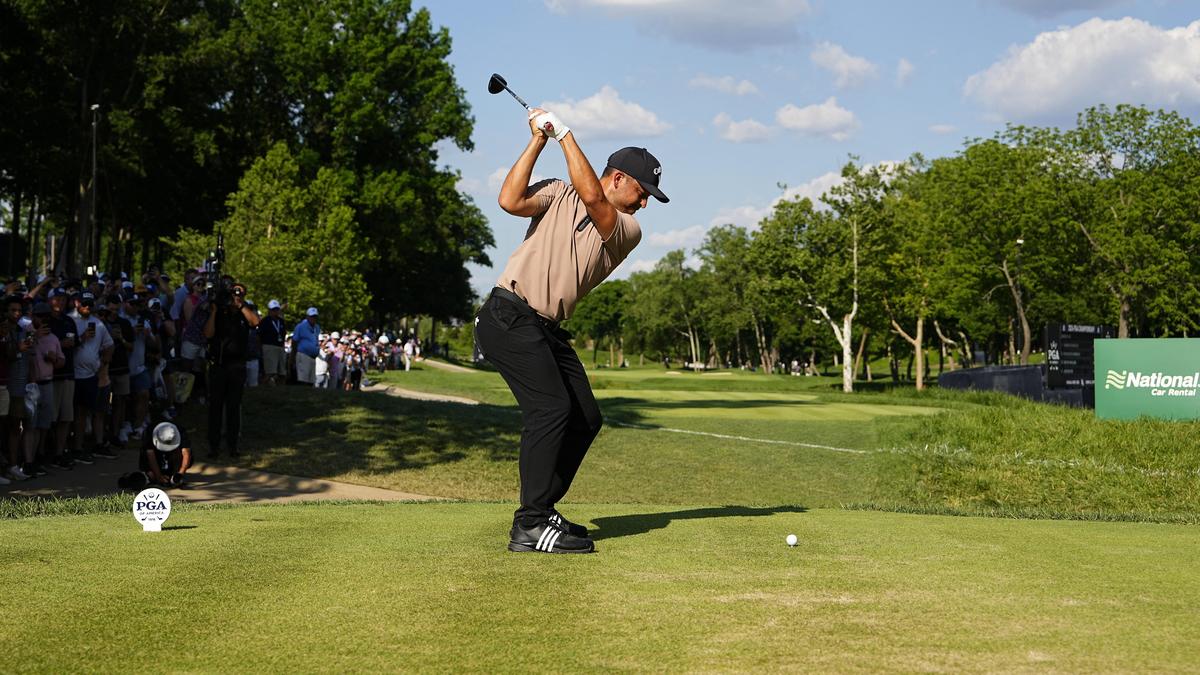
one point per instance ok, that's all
(519, 99)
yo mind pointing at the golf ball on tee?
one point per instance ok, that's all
(791, 540)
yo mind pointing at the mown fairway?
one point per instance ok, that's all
(690, 490)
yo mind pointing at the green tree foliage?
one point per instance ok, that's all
(192, 93)
(600, 316)
(291, 238)
(1132, 175)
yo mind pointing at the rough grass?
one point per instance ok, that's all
(1014, 454)
(429, 587)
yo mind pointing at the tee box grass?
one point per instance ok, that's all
(690, 491)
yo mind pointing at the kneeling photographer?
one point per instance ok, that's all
(164, 460)
(227, 329)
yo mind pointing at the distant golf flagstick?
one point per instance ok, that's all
(498, 84)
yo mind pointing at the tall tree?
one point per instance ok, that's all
(1132, 174)
(291, 237)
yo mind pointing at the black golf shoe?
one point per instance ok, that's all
(546, 538)
(557, 520)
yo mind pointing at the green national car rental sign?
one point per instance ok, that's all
(1148, 377)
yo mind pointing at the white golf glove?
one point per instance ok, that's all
(549, 123)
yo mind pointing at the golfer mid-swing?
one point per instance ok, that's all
(578, 234)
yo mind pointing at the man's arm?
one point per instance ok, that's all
(587, 186)
(155, 474)
(210, 326)
(250, 315)
(516, 183)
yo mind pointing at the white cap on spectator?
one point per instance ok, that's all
(336, 335)
(383, 339)
(126, 284)
(274, 304)
(312, 311)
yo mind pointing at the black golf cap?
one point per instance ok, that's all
(640, 165)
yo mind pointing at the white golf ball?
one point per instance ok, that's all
(791, 540)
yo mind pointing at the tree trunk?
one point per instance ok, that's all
(862, 345)
(764, 353)
(15, 233)
(893, 364)
(847, 357)
(1019, 303)
(948, 346)
(36, 245)
(1012, 341)
(1123, 326)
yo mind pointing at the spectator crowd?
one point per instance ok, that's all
(89, 365)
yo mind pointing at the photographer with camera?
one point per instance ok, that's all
(227, 329)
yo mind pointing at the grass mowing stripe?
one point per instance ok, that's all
(734, 438)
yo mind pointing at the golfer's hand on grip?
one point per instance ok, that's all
(533, 113)
(549, 124)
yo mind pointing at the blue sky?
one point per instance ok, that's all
(736, 97)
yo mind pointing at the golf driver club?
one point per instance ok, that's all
(498, 84)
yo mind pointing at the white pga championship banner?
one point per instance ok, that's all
(1153, 377)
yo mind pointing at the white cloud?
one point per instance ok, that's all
(682, 237)
(641, 266)
(943, 128)
(750, 216)
(742, 216)
(496, 178)
(904, 72)
(850, 70)
(1045, 9)
(813, 189)
(471, 186)
(726, 84)
(728, 25)
(1064, 71)
(746, 131)
(606, 115)
(820, 119)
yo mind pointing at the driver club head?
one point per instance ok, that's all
(497, 84)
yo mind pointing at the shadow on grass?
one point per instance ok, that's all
(321, 434)
(612, 527)
(625, 405)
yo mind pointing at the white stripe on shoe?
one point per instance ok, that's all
(549, 547)
(541, 539)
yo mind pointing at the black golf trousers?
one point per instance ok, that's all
(226, 382)
(559, 413)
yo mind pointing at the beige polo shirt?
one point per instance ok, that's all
(558, 264)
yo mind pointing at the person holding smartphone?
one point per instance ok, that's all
(95, 348)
